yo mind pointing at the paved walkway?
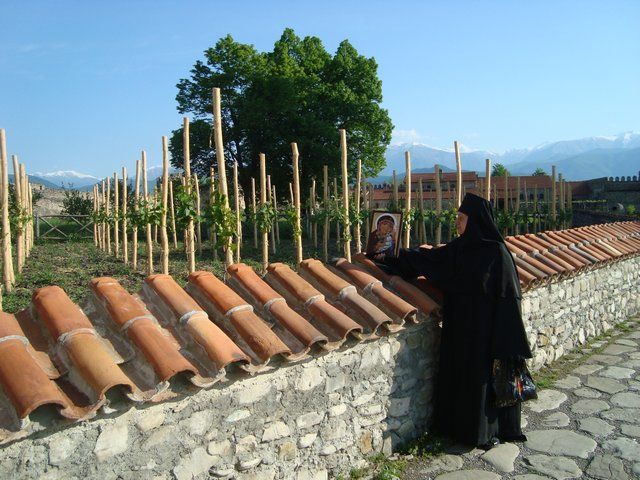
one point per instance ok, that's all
(586, 426)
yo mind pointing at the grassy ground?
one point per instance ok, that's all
(71, 265)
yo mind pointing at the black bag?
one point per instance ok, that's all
(512, 382)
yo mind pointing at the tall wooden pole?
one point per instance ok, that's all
(164, 200)
(103, 225)
(407, 207)
(236, 206)
(553, 195)
(125, 240)
(191, 254)
(395, 191)
(297, 228)
(487, 173)
(7, 261)
(116, 210)
(325, 201)
(196, 183)
(212, 229)
(263, 202)
(172, 211)
(335, 196)
(25, 211)
(275, 208)
(356, 198)
(136, 207)
(96, 238)
(18, 202)
(253, 206)
(313, 207)
(145, 190)
(423, 227)
(458, 175)
(108, 207)
(222, 175)
(438, 204)
(270, 200)
(345, 194)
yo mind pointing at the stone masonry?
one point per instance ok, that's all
(314, 419)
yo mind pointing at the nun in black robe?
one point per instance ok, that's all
(481, 321)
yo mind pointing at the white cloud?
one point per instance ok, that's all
(400, 137)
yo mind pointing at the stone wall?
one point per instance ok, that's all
(563, 315)
(310, 420)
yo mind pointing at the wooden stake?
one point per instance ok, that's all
(263, 201)
(191, 254)
(253, 206)
(116, 209)
(96, 240)
(108, 208)
(313, 204)
(297, 228)
(553, 194)
(196, 182)
(172, 211)
(273, 230)
(438, 204)
(212, 228)
(222, 175)
(395, 191)
(345, 194)
(145, 190)
(275, 208)
(25, 210)
(335, 196)
(136, 200)
(487, 173)
(423, 227)
(164, 200)
(236, 206)
(407, 208)
(356, 197)
(505, 207)
(325, 201)
(7, 261)
(103, 225)
(458, 175)
(125, 240)
(18, 202)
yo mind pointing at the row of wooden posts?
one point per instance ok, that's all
(22, 217)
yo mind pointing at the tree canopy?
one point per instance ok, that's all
(298, 92)
(539, 172)
(499, 170)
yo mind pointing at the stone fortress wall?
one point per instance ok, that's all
(311, 420)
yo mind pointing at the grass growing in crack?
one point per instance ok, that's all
(386, 469)
(426, 446)
(563, 366)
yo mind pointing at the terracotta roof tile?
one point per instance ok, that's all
(81, 351)
(132, 318)
(23, 379)
(416, 297)
(306, 299)
(397, 308)
(58, 354)
(236, 317)
(191, 323)
(345, 296)
(289, 325)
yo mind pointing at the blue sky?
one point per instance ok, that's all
(86, 85)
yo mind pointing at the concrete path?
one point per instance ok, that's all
(587, 425)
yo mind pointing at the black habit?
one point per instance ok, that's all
(481, 321)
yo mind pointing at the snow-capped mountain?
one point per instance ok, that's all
(577, 158)
(68, 178)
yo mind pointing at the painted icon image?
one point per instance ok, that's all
(385, 233)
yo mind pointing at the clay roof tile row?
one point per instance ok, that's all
(132, 346)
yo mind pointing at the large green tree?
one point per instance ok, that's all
(298, 92)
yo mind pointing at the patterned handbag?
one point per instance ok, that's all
(512, 382)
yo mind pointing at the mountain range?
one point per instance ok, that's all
(581, 159)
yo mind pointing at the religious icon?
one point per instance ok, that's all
(385, 233)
